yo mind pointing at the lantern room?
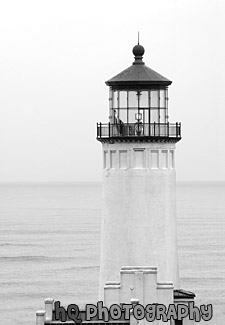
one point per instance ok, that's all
(138, 103)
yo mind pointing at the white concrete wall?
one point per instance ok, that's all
(165, 296)
(139, 210)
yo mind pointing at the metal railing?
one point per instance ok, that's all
(171, 130)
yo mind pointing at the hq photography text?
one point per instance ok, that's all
(150, 312)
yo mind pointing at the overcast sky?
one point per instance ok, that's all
(55, 57)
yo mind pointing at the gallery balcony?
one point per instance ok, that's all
(150, 132)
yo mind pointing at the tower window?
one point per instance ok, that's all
(171, 159)
(164, 155)
(154, 159)
(113, 159)
(123, 159)
(139, 158)
(105, 159)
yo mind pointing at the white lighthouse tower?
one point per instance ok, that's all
(139, 204)
(139, 262)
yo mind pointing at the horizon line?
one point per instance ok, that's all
(98, 182)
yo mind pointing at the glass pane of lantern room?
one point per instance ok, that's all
(123, 106)
(133, 102)
(162, 115)
(154, 116)
(123, 99)
(115, 99)
(114, 116)
(144, 99)
(146, 116)
(132, 112)
(154, 98)
(123, 115)
(162, 98)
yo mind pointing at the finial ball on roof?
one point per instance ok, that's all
(138, 50)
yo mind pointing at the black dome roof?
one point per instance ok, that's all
(138, 74)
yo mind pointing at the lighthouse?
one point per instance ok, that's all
(139, 178)
(139, 258)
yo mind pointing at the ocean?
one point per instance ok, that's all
(50, 246)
